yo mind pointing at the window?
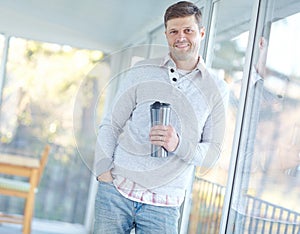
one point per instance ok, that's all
(226, 51)
(37, 108)
(2, 38)
(266, 191)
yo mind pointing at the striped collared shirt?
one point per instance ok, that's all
(139, 194)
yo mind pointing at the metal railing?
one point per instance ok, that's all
(260, 216)
(207, 207)
(265, 217)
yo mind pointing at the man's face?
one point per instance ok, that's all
(184, 37)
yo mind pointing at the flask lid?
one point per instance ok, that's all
(158, 105)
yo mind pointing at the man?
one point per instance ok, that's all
(137, 191)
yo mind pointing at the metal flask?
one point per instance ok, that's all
(160, 115)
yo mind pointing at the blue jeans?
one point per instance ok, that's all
(115, 214)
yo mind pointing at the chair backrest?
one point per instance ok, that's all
(43, 162)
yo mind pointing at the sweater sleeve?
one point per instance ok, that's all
(207, 151)
(119, 110)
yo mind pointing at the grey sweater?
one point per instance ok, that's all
(198, 103)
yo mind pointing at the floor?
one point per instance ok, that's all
(45, 227)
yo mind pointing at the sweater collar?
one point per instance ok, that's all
(169, 62)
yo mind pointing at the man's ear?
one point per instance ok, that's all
(202, 32)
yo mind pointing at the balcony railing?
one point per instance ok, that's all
(207, 207)
(260, 217)
(265, 217)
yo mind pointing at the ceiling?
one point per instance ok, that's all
(109, 25)
(93, 24)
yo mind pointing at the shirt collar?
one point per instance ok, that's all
(168, 62)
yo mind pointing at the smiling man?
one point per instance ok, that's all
(137, 191)
(184, 35)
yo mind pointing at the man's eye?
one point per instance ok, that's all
(172, 32)
(188, 30)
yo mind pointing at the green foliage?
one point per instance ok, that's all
(42, 83)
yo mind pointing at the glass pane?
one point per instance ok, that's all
(266, 194)
(228, 41)
(1, 46)
(38, 100)
(159, 45)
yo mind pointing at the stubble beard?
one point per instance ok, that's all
(182, 55)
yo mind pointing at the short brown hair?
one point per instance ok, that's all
(183, 9)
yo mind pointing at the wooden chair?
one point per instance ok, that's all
(26, 167)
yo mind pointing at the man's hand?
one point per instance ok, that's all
(262, 58)
(105, 177)
(164, 136)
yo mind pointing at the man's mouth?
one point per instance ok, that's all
(181, 45)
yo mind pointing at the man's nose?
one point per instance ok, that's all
(181, 37)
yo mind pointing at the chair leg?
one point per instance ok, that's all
(29, 204)
(28, 213)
